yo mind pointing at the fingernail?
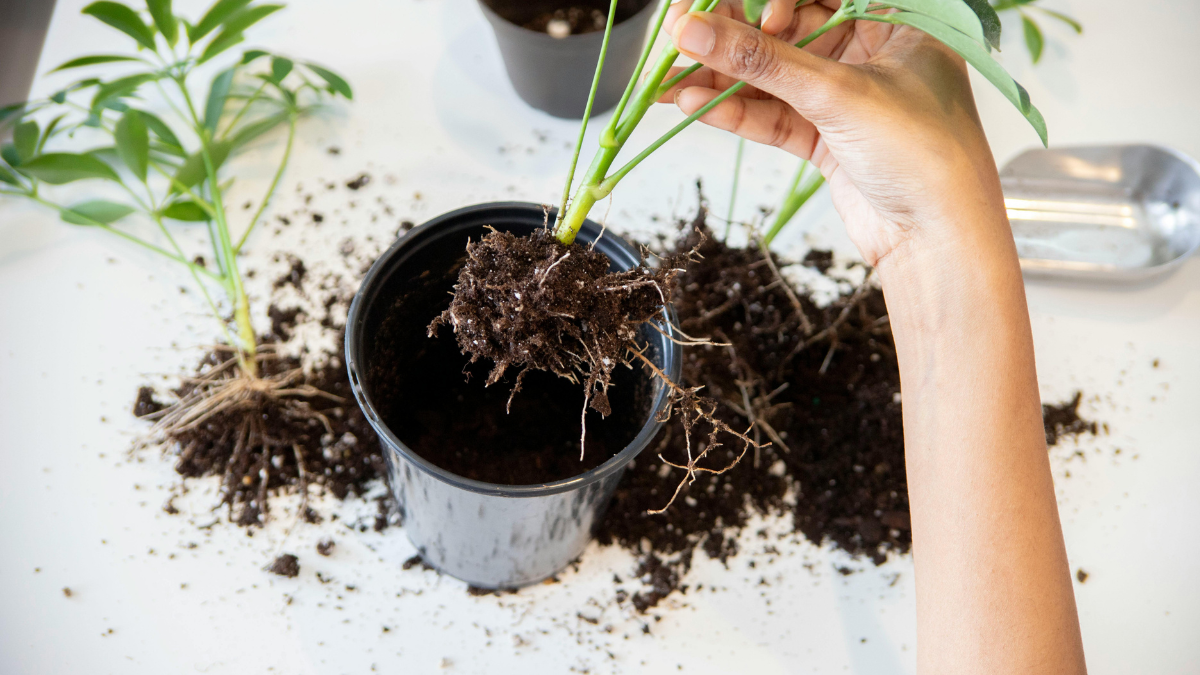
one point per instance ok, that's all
(766, 16)
(677, 93)
(693, 35)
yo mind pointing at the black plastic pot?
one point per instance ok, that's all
(490, 535)
(555, 75)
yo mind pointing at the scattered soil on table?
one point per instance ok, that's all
(325, 547)
(286, 565)
(1062, 420)
(824, 389)
(1080, 575)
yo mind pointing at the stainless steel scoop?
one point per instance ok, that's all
(1123, 213)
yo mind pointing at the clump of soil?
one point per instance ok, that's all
(569, 21)
(1062, 420)
(310, 434)
(286, 565)
(821, 384)
(533, 303)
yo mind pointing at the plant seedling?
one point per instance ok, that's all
(171, 173)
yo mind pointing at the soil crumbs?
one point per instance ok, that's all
(821, 383)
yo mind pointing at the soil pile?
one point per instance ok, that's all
(271, 443)
(821, 384)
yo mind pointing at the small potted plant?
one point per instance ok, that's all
(550, 49)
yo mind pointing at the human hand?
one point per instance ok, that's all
(885, 112)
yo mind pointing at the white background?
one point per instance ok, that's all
(85, 319)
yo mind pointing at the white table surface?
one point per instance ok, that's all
(86, 319)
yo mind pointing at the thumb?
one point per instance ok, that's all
(807, 82)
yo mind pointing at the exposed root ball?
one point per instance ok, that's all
(265, 433)
(533, 302)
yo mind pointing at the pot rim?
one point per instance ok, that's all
(493, 17)
(353, 353)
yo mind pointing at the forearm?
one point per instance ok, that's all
(993, 588)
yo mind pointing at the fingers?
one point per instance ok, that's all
(709, 79)
(776, 16)
(807, 82)
(770, 121)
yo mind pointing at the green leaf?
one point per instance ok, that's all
(49, 132)
(192, 171)
(9, 154)
(133, 143)
(1033, 38)
(7, 176)
(120, 87)
(860, 6)
(255, 129)
(249, 16)
(223, 41)
(185, 210)
(977, 56)
(164, 19)
(336, 83)
(280, 67)
(96, 211)
(163, 132)
(988, 19)
(10, 110)
(753, 10)
(123, 19)
(57, 168)
(252, 54)
(1078, 27)
(217, 93)
(93, 60)
(25, 138)
(953, 13)
(216, 14)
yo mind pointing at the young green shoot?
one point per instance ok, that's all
(969, 27)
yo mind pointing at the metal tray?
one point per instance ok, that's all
(1120, 213)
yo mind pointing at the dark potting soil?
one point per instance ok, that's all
(535, 304)
(293, 453)
(1062, 420)
(286, 565)
(833, 405)
(568, 21)
(435, 399)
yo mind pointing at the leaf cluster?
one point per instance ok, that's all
(1035, 41)
(242, 104)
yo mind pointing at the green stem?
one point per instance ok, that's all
(610, 131)
(737, 174)
(125, 235)
(245, 106)
(248, 349)
(596, 186)
(666, 86)
(798, 195)
(287, 153)
(587, 110)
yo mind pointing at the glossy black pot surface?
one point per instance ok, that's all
(490, 535)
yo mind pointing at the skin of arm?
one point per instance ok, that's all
(888, 116)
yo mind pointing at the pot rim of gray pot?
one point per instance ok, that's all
(598, 35)
(353, 348)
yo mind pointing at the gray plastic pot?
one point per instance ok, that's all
(489, 535)
(555, 75)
